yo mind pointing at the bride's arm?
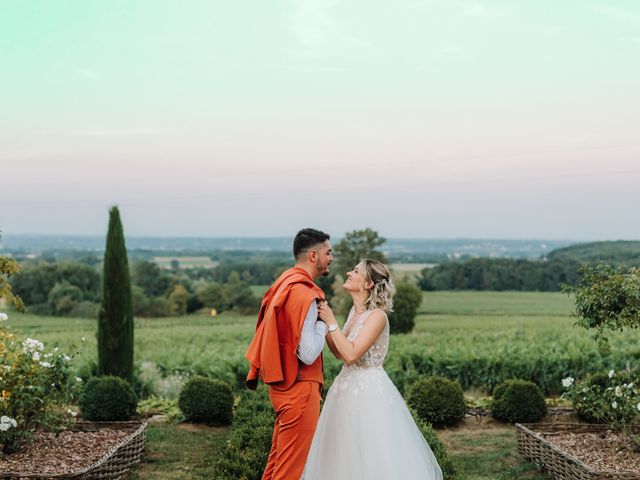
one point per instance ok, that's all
(349, 351)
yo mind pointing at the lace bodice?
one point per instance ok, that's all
(374, 357)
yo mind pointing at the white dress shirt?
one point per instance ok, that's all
(312, 336)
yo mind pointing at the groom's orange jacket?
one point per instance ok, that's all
(272, 354)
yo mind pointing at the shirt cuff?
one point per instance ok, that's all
(321, 328)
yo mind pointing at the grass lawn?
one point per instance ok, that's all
(487, 452)
(188, 452)
(182, 452)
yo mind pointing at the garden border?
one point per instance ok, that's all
(112, 466)
(533, 446)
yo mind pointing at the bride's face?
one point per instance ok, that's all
(355, 280)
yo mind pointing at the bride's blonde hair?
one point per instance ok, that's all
(381, 294)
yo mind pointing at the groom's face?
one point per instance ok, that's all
(324, 257)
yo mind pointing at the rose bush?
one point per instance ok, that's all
(617, 403)
(34, 389)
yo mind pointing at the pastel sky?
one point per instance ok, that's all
(419, 118)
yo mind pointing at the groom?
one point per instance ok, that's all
(286, 353)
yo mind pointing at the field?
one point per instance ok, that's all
(477, 337)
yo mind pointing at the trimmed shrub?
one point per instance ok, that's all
(406, 302)
(437, 400)
(518, 401)
(245, 456)
(108, 399)
(439, 450)
(205, 400)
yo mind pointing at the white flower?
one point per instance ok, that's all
(45, 364)
(630, 385)
(614, 404)
(36, 356)
(83, 339)
(567, 382)
(78, 379)
(71, 412)
(6, 423)
(31, 345)
(67, 358)
(618, 391)
(611, 373)
(3, 317)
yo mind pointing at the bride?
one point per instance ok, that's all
(366, 431)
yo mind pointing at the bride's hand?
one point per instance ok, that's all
(326, 314)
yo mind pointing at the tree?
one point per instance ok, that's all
(178, 300)
(405, 307)
(607, 299)
(213, 295)
(9, 267)
(151, 278)
(115, 322)
(354, 247)
(63, 297)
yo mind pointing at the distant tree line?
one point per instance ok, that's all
(500, 274)
(71, 288)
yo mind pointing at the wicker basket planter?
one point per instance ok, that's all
(112, 466)
(561, 465)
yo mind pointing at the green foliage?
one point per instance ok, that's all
(160, 406)
(33, 389)
(108, 399)
(500, 274)
(213, 295)
(355, 246)
(178, 299)
(437, 400)
(245, 456)
(518, 401)
(115, 322)
(478, 338)
(349, 251)
(63, 297)
(154, 281)
(439, 450)
(207, 400)
(607, 298)
(617, 253)
(9, 267)
(612, 398)
(406, 301)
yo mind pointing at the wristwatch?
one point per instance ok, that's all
(333, 328)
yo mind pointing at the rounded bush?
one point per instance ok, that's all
(406, 302)
(437, 400)
(518, 401)
(205, 400)
(108, 399)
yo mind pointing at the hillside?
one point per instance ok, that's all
(621, 252)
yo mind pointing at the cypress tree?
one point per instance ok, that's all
(115, 322)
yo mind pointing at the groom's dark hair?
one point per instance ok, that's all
(307, 238)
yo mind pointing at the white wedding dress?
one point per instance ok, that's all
(366, 431)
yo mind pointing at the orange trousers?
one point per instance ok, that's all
(297, 411)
